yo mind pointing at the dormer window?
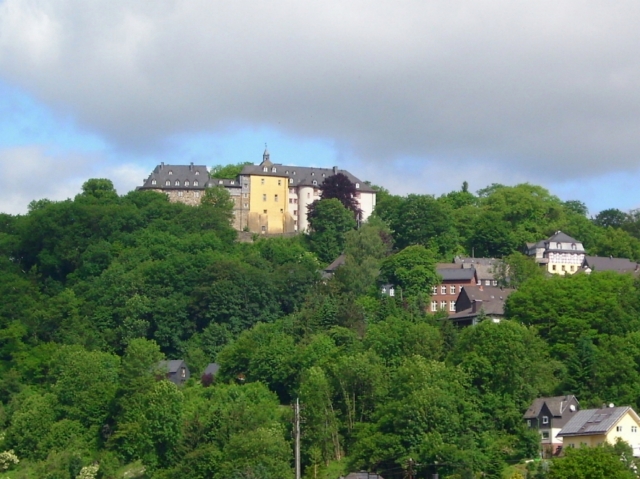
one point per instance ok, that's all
(153, 182)
(294, 172)
(573, 246)
(357, 185)
(286, 172)
(170, 172)
(315, 182)
(195, 183)
(186, 183)
(177, 183)
(197, 173)
(232, 182)
(273, 170)
(323, 175)
(313, 173)
(167, 183)
(290, 180)
(559, 245)
(265, 169)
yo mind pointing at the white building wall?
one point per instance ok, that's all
(367, 203)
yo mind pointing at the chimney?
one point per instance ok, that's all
(191, 166)
(161, 164)
(335, 170)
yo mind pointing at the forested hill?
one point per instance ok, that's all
(97, 290)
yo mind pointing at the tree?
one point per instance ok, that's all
(601, 462)
(516, 268)
(412, 269)
(329, 221)
(340, 187)
(611, 217)
(229, 172)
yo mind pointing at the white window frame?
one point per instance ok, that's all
(443, 289)
(452, 289)
(452, 306)
(545, 419)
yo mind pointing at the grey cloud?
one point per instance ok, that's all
(525, 88)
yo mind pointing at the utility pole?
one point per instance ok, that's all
(409, 473)
(297, 436)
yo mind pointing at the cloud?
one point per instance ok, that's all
(528, 90)
(30, 173)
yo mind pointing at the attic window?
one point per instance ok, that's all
(294, 172)
(273, 170)
(559, 245)
(573, 246)
(313, 173)
(315, 182)
(195, 183)
(323, 175)
(170, 172)
(545, 419)
(186, 183)
(357, 185)
(232, 182)
(265, 169)
(167, 183)
(153, 182)
(197, 173)
(286, 172)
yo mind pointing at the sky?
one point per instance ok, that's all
(413, 95)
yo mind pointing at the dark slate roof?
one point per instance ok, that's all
(339, 261)
(172, 366)
(621, 265)
(181, 173)
(490, 299)
(456, 274)
(212, 368)
(474, 261)
(363, 475)
(557, 406)
(302, 175)
(595, 421)
(560, 237)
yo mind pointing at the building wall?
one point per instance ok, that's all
(449, 296)
(627, 422)
(188, 197)
(269, 205)
(564, 263)
(367, 203)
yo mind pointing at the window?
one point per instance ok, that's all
(186, 183)
(245, 195)
(264, 228)
(281, 210)
(572, 445)
(295, 201)
(618, 428)
(313, 173)
(559, 245)
(634, 428)
(232, 182)
(197, 173)
(452, 289)
(545, 419)
(443, 305)
(529, 422)
(170, 172)
(315, 182)
(553, 267)
(220, 182)
(294, 172)
(183, 373)
(290, 180)
(443, 289)
(295, 212)
(290, 201)
(479, 283)
(245, 185)
(264, 197)
(273, 169)
(357, 185)
(494, 282)
(286, 172)
(196, 194)
(452, 306)
(573, 246)
(153, 182)
(434, 306)
(279, 182)
(177, 183)
(487, 282)
(564, 268)
(265, 169)
(180, 193)
(246, 205)
(571, 268)
(264, 211)
(545, 434)
(195, 183)
(167, 183)
(262, 181)
(434, 290)
(275, 198)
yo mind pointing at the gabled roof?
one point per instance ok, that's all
(181, 173)
(456, 274)
(621, 265)
(172, 365)
(557, 405)
(595, 421)
(302, 175)
(212, 368)
(561, 237)
(339, 261)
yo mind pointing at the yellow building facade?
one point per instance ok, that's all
(268, 204)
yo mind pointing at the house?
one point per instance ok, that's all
(548, 416)
(473, 300)
(609, 263)
(558, 254)
(209, 374)
(187, 184)
(330, 270)
(388, 290)
(176, 370)
(276, 196)
(363, 475)
(486, 268)
(591, 427)
(444, 295)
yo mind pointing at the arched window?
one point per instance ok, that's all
(265, 169)
(153, 182)
(315, 182)
(195, 183)
(167, 183)
(186, 183)
(357, 185)
(177, 183)
(220, 182)
(170, 172)
(197, 173)
(273, 170)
